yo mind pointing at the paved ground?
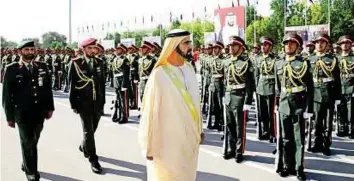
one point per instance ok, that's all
(60, 160)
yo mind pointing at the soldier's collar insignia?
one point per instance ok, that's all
(290, 58)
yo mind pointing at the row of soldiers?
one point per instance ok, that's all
(57, 61)
(289, 88)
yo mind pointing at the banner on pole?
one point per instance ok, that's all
(107, 44)
(153, 39)
(229, 22)
(309, 32)
(128, 42)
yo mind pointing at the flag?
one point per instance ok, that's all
(181, 17)
(232, 4)
(121, 23)
(205, 12)
(193, 15)
(143, 20)
(93, 29)
(238, 2)
(152, 18)
(135, 20)
(88, 29)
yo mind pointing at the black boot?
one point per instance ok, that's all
(229, 155)
(96, 167)
(301, 175)
(327, 151)
(239, 158)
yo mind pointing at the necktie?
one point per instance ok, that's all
(29, 66)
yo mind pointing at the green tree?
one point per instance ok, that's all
(50, 37)
(276, 24)
(7, 44)
(160, 31)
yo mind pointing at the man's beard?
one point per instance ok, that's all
(29, 56)
(188, 55)
(90, 56)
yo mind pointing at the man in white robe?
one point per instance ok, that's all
(171, 124)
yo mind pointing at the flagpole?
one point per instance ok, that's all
(329, 17)
(254, 27)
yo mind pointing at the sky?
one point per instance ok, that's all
(31, 18)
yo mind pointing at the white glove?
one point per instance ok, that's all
(308, 115)
(246, 107)
(135, 81)
(123, 89)
(337, 102)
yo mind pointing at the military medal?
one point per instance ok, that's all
(40, 81)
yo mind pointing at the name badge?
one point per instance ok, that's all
(40, 81)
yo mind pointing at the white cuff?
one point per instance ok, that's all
(246, 107)
(123, 89)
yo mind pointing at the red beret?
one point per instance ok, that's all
(89, 41)
(100, 46)
(147, 45)
(123, 47)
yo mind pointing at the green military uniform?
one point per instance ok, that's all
(57, 66)
(206, 76)
(239, 82)
(49, 61)
(27, 100)
(265, 90)
(326, 77)
(311, 50)
(146, 64)
(86, 97)
(294, 85)
(216, 88)
(346, 108)
(134, 78)
(121, 74)
(104, 70)
(66, 63)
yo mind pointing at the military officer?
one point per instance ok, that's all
(49, 61)
(28, 101)
(294, 86)
(336, 50)
(310, 46)
(57, 66)
(121, 74)
(255, 52)
(239, 80)
(99, 55)
(265, 89)
(66, 64)
(216, 88)
(86, 97)
(146, 64)
(134, 77)
(326, 77)
(346, 64)
(205, 76)
(157, 50)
